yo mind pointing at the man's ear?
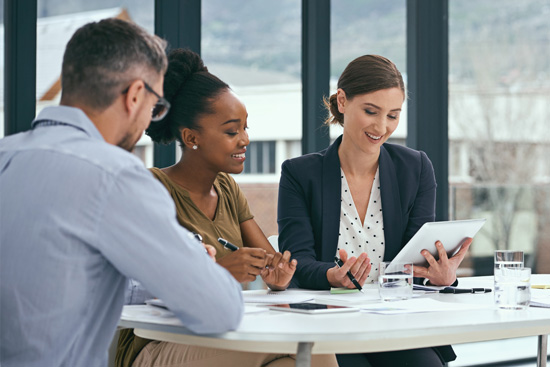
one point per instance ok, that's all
(341, 100)
(189, 138)
(134, 96)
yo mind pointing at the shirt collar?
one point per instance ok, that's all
(69, 116)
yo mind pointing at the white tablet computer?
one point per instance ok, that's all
(310, 308)
(450, 233)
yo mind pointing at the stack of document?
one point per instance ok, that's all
(540, 297)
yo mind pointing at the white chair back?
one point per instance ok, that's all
(274, 241)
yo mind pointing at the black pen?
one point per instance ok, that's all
(228, 245)
(198, 237)
(464, 290)
(350, 276)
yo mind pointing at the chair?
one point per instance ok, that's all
(112, 349)
(259, 283)
(274, 241)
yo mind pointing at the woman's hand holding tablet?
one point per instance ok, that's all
(438, 248)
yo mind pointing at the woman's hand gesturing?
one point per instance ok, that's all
(360, 268)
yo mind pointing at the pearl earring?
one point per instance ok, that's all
(195, 147)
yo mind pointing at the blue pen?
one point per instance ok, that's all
(228, 245)
(340, 263)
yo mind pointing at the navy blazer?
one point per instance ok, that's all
(308, 212)
(309, 206)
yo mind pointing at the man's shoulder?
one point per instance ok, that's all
(68, 148)
(101, 155)
(115, 158)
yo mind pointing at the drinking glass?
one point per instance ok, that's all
(512, 288)
(395, 281)
(508, 259)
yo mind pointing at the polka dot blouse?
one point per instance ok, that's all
(369, 237)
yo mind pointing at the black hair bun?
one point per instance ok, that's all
(182, 64)
(160, 132)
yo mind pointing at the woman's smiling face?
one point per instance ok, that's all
(222, 138)
(371, 118)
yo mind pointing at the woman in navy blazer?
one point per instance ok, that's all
(311, 199)
(309, 206)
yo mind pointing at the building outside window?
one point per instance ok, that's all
(56, 23)
(499, 88)
(364, 27)
(255, 47)
(260, 158)
(499, 62)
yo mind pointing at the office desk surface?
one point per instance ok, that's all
(281, 332)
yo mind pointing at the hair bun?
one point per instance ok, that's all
(182, 64)
(190, 89)
(160, 132)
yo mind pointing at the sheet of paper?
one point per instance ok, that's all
(158, 315)
(248, 309)
(268, 296)
(419, 305)
(350, 299)
(540, 298)
(146, 313)
(368, 296)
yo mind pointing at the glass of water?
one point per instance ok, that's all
(512, 288)
(508, 259)
(395, 281)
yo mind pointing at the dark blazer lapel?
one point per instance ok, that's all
(332, 186)
(391, 205)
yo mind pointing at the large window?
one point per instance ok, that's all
(57, 21)
(2, 69)
(361, 27)
(260, 157)
(499, 131)
(255, 46)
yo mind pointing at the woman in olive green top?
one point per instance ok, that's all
(210, 122)
(232, 210)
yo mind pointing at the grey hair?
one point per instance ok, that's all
(103, 57)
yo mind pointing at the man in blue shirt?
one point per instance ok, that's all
(79, 214)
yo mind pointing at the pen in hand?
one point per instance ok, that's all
(340, 263)
(228, 245)
(198, 237)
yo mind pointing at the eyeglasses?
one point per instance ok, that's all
(160, 109)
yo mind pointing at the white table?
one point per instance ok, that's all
(357, 332)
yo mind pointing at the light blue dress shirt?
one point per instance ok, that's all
(78, 216)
